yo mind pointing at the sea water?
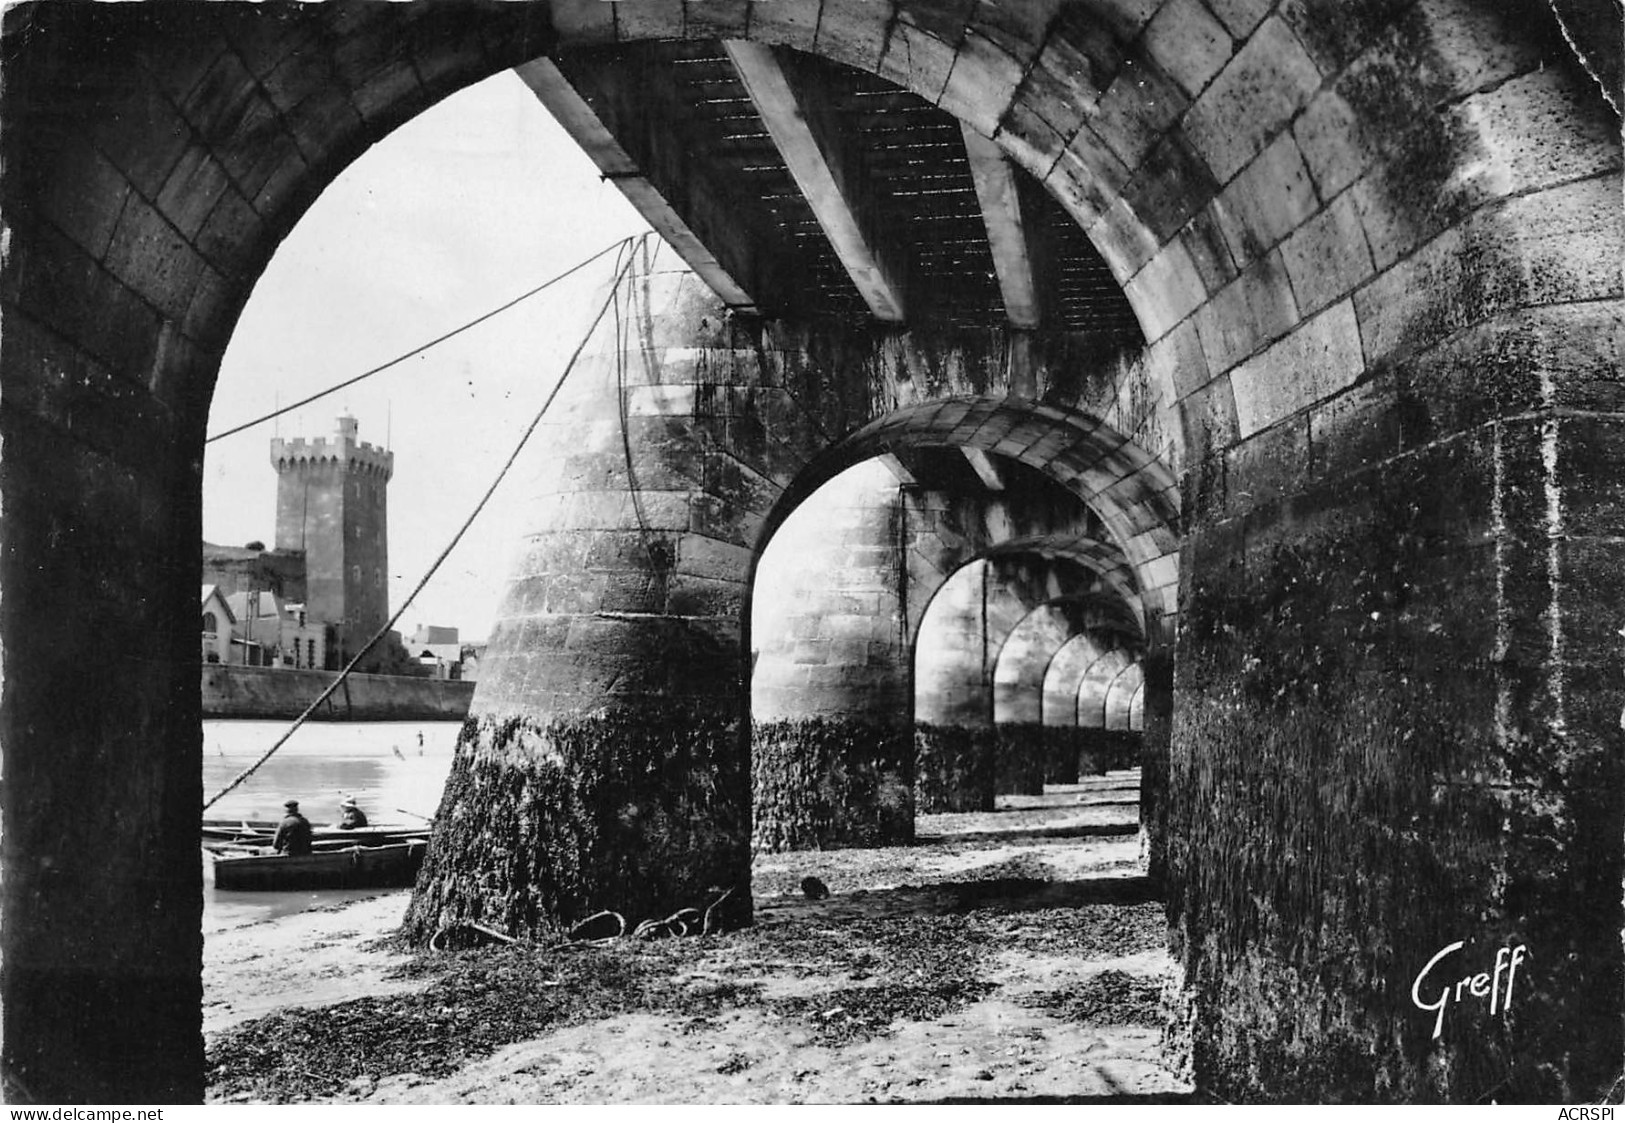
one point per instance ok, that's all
(396, 771)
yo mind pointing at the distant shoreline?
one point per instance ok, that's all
(272, 693)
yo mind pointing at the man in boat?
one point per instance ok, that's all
(350, 816)
(293, 835)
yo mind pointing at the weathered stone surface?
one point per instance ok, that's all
(1240, 16)
(1137, 109)
(1166, 290)
(152, 259)
(1209, 417)
(1248, 314)
(1368, 636)
(545, 822)
(1334, 34)
(953, 768)
(1153, 759)
(1063, 761)
(96, 1011)
(982, 83)
(1020, 758)
(828, 783)
(1261, 88)
(917, 59)
(1317, 360)
(1331, 137)
(1566, 355)
(1523, 129)
(1327, 256)
(1064, 85)
(1205, 240)
(1267, 467)
(1360, 428)
(1188, 43)
(1474, 270)
(1170, 183)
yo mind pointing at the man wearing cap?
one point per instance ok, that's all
(351, 816)
(293, 836)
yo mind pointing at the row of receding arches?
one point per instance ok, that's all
(985, 653)
(917, 631)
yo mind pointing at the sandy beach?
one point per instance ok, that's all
(1017, 955)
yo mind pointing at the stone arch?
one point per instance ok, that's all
(1095, 685)
(1126, 487)
(1008, 589)
(949, 656)
(1120, 696)
(1095, 469)
(1061, 679)
(1244, 173)
(1106, 739)
(980, 604)
(1023, 661)
(1057, 94)
(963, 758)
(1012, 524)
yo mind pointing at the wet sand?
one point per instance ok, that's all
(1050, 937)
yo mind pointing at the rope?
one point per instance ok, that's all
(456, 538)
(623, 329)
(419, 350)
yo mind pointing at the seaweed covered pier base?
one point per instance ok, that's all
(545, 823)
(953, 768)
(827, 782)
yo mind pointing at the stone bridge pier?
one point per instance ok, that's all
(833, 753)
(604, 762)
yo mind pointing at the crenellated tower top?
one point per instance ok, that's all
(333, 504)
(343, 449)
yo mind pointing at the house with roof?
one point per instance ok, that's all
(218, 623)
(437, 650)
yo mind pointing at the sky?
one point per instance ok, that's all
(461, 209)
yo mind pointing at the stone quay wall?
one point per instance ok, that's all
(275, 692)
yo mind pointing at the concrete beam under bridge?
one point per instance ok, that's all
(626, 112)
(724, 268)
(831, 179)
(1007, 236)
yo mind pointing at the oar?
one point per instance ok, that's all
(415, 815)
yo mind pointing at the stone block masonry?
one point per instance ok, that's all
(278, 692)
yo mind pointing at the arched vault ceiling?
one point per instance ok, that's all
(1101, 558)
(1129, 490)
(801, 186)
(1133, 494)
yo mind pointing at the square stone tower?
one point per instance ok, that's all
(331, 503)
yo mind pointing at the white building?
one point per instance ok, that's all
(218, 622)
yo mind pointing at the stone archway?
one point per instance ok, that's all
(961, 749)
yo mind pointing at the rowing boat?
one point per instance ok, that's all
(260, 832)
(388, 866)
